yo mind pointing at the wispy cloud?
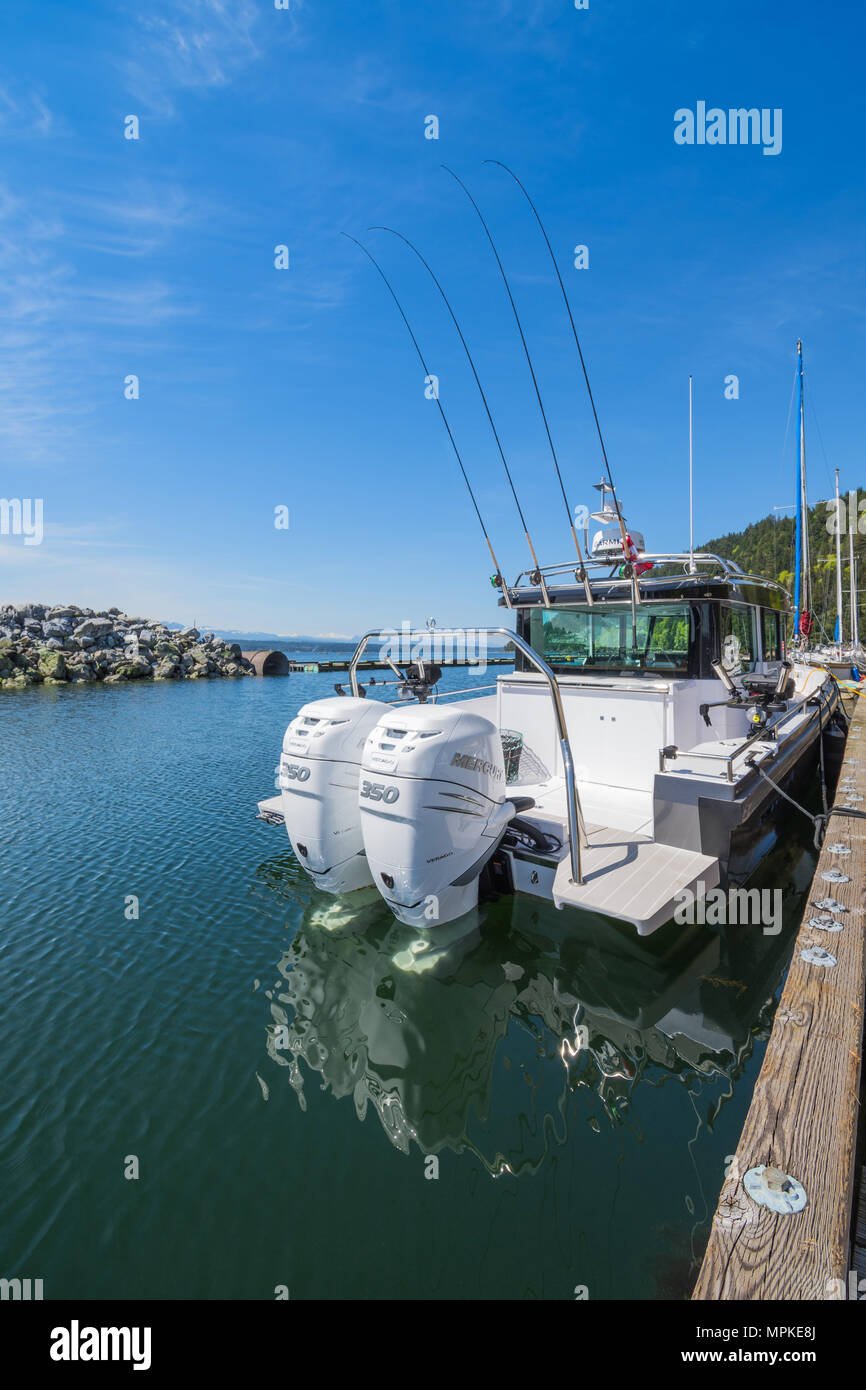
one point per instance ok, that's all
(56, 308)
(138, 223)
(24, 112)
(195, 44)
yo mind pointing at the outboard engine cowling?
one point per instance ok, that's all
(433, 809)
(319, 770)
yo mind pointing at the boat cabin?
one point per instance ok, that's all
(682, 624)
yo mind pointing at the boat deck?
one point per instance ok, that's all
(629, 876)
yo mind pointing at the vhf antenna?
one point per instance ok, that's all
(498, 580)
(581, 574)
(624, 533)
(537, 576)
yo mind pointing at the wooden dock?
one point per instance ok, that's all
(805, 1112)
(858, 1261)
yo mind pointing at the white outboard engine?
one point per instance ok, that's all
(433, 809)
(319, 771)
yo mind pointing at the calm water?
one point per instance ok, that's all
(284, 1070)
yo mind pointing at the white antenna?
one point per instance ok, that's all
(691, 486)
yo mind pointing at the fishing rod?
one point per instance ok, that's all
(499, 581)
(538, 574)
(581, 573)
(623, 532)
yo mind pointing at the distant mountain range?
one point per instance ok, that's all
(253, 641)
(249, 640)
(281, 641)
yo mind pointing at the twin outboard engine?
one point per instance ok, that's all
(433, 809)
(411, 800)
(319, 773)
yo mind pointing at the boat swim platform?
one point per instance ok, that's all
(806, 1106)
(632, 878)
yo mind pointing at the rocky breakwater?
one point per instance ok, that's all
(40, 645)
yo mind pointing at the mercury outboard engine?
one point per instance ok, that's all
(433, 809)
(319, 783)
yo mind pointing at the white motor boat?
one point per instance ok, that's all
(640, 750)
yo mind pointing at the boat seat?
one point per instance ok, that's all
(766, 685)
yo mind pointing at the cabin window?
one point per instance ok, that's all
(737, 638)
(600, 638)
(772, 637)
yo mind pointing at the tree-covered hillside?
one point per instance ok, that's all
(767, 547)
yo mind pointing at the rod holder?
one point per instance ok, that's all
(724, 678)
(784, 668)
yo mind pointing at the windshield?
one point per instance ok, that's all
(600, 638)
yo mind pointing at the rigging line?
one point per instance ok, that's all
(583, 574)
(371, 257)
(788, 423)
(574, 332)
(635, 585)
(814, 414)
(433, 277)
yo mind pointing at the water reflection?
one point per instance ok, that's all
(497, 1036)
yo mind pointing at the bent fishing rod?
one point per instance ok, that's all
(499, 580)
(581, 573)
(635, 587)
(537, 576)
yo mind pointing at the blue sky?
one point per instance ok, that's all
(300, 388)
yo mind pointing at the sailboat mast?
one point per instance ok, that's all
(852, 568)
(691, 483)
(798, 520)
(807, 580)
(837, 637)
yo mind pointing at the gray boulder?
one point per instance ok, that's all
(94, 627)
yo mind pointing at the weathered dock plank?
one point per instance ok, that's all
(804, 1113)
(858, 1259)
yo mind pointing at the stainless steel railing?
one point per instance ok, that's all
(576, 827)
(693, 565)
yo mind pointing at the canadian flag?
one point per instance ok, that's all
(630, 552)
